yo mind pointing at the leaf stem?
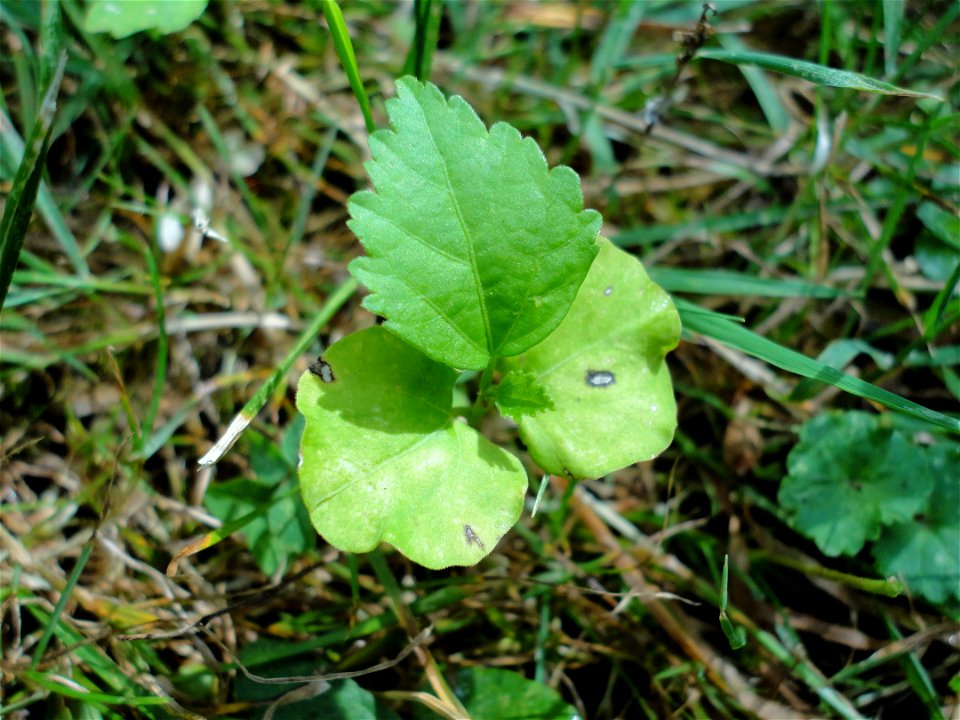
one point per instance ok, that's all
(889, 587)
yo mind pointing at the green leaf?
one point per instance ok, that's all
(505, 695)
(520, 393)
(280, 530)
(122, 18)
(936, 259)
(475, 249)
(812, 72)
(604, 367)
(341, 700)
(849, 475)
(924, 550)
(384, 459)
(945, 225)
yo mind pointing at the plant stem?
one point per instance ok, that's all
(439, 684)
(888, 587)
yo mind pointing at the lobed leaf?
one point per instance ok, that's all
(848, 476)
(604, 368)
(924, 550)
(383, 459)
(475, 249)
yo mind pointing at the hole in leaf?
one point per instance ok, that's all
(321, 368)
(600, 378)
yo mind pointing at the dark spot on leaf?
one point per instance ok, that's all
(600, 378)
(321, 368)
(472, 537)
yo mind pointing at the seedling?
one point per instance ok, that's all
(480, 258)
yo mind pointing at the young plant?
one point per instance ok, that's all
(855, 478)
(480, 258)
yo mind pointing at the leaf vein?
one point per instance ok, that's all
(422, 241)
(481, 300)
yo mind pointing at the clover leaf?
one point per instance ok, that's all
(604, 369)
(849, 475)
(383, 458)
(475, 249)
(925, 550)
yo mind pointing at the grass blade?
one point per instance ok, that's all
(344, 47)
(760, 347)
(61, 604)
(254, 404)
(892, 22)
(812, 72)
(23, 196)
(736, 636)
(767, 96)
(426, 14)
(725, 282)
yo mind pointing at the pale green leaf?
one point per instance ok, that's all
(121, 18)
(475, 249)
(812, 72)
(383, 459)
(604, 368)
(925, 551)
(849, 475)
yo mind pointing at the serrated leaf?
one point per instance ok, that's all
(604, 367)
(384, 460)
(122, 18)
(849, 475)
(474, 248)
(520, 393)
(925, 551)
